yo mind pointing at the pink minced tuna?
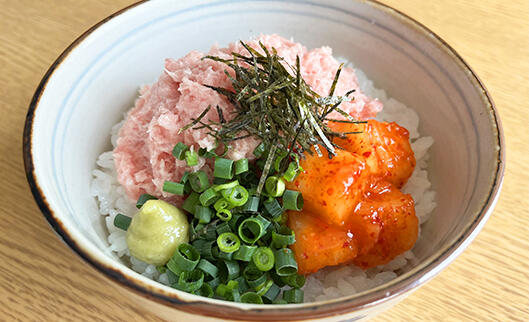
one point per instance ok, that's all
(143, 154)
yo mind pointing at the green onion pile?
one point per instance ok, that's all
(238, 249)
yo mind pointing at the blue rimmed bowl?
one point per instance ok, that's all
(95, 80)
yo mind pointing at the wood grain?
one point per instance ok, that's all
(42, 280)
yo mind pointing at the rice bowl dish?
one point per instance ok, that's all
(172, 108)
(403, 57)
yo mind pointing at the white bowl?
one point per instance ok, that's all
(96, 79)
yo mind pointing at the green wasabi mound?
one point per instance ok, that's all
(156, 231)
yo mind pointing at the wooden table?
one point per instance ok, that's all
(41, 279)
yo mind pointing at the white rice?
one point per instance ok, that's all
(328, 283)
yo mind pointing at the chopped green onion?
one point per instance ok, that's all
(273, 207)
(294, 280)
(251, 205)
(254, 276)
(292, 172)
(241, 166)
(277, 162)
(249, 178)
(252, 191)
(190, 281)
(250, 230)
(259, 150)
(208, 197)
(179, 150)
(199, 181)
(279, 280)
(223, 168)
(284, 237)
(161, 269)
(263, 221)
(224, 255)
(196, 229)
(226, 185)
(218, 181)
(186, 257)
(185, 177)
(205, 290)
(275, 186)
(244, 253)
(263, 288)
(235, 221)
(294, 295)
(271, 294)
(186, 183)
(292, 200)
(172, 277)
(222, 290)
(122, 221)
(229, 242)
(280, 301)
(236, 196)
(203, 152)
(217, 253)
(223, 251)
(285, 262)
(203, 214)
(263, 258)
(221, 204)
(266, 238)
(173, 267)
(211, 233)
(174, 187)
(258, 282)
(204, 248)
(229, 270)
(229, 291)
(143, 199)
(214, 282)
(224, 214)
(243, 286)
(251, 298)
(222, 228)
(190, 202)
(281, 219)
(208, 268)
(191, 158)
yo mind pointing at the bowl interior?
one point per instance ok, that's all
(99, 79)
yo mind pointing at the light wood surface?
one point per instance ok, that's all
(42, 280)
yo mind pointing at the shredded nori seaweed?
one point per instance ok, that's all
(275, 106)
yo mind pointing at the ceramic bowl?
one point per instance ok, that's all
(96, 79)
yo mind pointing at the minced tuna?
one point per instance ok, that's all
(143, 156)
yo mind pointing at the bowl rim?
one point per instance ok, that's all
(312, 310)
